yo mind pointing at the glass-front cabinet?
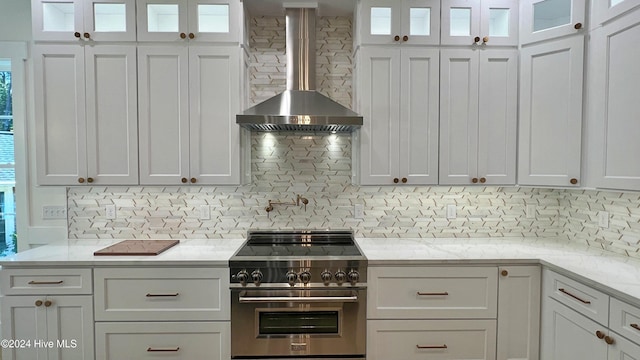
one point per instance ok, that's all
(487, 22)
(415, 22)
(99, 20)
(194, 20)
(549, 19)
(608, 9)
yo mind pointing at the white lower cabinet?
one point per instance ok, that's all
(431, 339)
(166, 340)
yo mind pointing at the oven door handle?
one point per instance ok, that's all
(298, 299)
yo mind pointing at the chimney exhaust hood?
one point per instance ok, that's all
(300, 107)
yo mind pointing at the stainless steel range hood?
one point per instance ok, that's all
(300, 107)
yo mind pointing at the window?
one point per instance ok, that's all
(7, 162)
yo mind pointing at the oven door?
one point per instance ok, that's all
(267, 323)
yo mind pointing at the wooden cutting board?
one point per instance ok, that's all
(137, 247)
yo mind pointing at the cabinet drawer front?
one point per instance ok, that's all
(432, 339)
(581, 298)
(162, 294)
(45, 281)
(625, 320)
(432, 292)
(177, 341)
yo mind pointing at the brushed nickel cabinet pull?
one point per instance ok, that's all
(163, 295)
(33, 282)
(150, 349)
(573, 296)
(432, 346)
(432, 294)
(635, 326)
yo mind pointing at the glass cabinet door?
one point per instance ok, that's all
(380, 22)
(499, 22)
(461, 22)
(214, 20)
(162, 20)
(609, 9)
(57, 20)
(420, 22)
(549, 19)
(110, 20)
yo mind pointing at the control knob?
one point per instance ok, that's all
(354, 276)
(305, 277)
(291, 277)
(242, 277)
(256, 276)
(340, 276)
(326, 276)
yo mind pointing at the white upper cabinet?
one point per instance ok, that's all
(68, 20)
(616, 85)
(478, 116)
(551, 78)
(605, 10)
(549, 19)
(415, 22)
(486, 22)
(193, 20)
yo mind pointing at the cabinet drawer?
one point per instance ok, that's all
(432, 292)
(625, 320)
(45, 281)
(581, 298)
(427, 339)
(157, 294)
(177, 340)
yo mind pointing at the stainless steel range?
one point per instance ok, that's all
(298, 295)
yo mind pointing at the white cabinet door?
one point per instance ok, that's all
(112, 115)
(606, 10)
(623, 349)
(162, 20)
(499, 22)
(551, 113)
(458, 116)
(109, 20)
(379, 90)
(518, 313)
(460, 22)
(60, 114)
(57, 19)
(214, 96)
(568, 335)
(23, 320)
(415, 22)
(614, 102)
(431, 339)
(70, 327)
(486, 22)
(215, 20)
(549, 19)
(497, 117)
(419, 116)
(163, 100)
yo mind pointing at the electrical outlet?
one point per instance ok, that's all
(603, 219)
(205, 212)
(358, 211)
(531, 211)
(451, 212)
(50, 212)
(110, 211)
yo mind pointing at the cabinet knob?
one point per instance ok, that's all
(38, 303)
(609, 340)
(184, 180)
(90, 180)
(573, 181)
(183, 36)
(81, 180)
(87, 36)
(193, 180)
(485, 39)
(577, 26)
(77, 34)
(404, 180)
(483, 180)
(192, 36)
(600, 334)
(476, 39)
(396, 38)
(48, 303)
(504, 273)
(474, 180)
(405, 38)
(396, 180)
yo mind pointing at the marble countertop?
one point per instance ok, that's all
(608, 272)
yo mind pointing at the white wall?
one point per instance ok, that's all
(15, 25)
